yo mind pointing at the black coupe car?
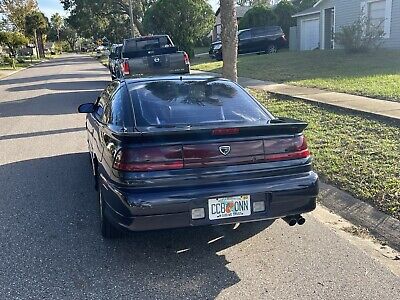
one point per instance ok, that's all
(175, 151)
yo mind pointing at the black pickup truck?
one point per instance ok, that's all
(151, 55)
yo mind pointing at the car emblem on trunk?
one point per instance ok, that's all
(156, 59)
(225, 150)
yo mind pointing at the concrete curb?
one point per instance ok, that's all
(22, 69)
(379, 224)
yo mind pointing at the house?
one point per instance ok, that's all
(316, 26)
(216, 32)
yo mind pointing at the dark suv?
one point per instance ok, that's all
(267, 39)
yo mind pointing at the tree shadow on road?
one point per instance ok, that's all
(30, 79)
(61, 86)
(50, 227)
(50, 104)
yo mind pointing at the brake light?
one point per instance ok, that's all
(225, 131)
(286, 149)
(186, 58)
(125, 67)
(149, 159)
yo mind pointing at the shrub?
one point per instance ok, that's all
(284, 11)
(260, 15)
(361, 36)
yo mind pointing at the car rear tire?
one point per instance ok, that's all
(271, 49)
(108, 231)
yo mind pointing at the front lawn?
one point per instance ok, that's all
(355, 153)
(375, 74)
(200, 50)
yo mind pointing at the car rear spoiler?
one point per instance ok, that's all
(276, 127)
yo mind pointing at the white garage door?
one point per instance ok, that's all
(309, 34)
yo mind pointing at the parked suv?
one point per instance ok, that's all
(268, 39)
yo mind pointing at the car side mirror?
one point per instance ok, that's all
(86, 108)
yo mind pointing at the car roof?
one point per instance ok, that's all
(172, 77)
(146, 37)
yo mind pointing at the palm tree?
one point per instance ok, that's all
(36, 24)
(229, 38)
(57, 23)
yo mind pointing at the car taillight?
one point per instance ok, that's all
(149, 159)
(286, 149)
(186, 58)
(125, 67)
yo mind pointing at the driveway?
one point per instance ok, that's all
(51, 248)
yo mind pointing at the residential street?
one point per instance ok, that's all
(51, 246)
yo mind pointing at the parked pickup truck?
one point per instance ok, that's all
(114, 59)
(152, 55)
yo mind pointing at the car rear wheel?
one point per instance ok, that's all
(108, 231)
(271, 49)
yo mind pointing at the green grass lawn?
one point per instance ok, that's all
(200, 50)
(355, 153)
(375, 74)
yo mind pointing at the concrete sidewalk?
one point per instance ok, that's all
(381, 108)
(6, 73)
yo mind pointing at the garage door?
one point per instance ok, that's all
(309, 34)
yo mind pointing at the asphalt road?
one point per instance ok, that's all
(51, 248)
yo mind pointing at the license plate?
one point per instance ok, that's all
(229, 207)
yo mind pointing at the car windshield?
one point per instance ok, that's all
(194, 103)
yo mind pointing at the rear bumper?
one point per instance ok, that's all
(154, 209)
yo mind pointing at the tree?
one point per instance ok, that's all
(303, 4)
(36, 25)
(13, 40)
(102, 10)
(57, 23)
(283, 12)
(191, 21)
(229, 39)
(70, 35)
(258, 16)
(16, 11)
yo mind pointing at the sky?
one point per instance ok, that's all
(49, 7)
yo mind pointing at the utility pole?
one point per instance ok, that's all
(131, 18)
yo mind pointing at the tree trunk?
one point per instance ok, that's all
(229, 38)
(41, 45)
(131, 19)
(36, 43)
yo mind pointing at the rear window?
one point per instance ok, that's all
(147, 44)
(195, 103)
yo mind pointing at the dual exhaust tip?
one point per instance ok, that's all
(293, 220)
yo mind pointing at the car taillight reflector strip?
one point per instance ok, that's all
(173, 157)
